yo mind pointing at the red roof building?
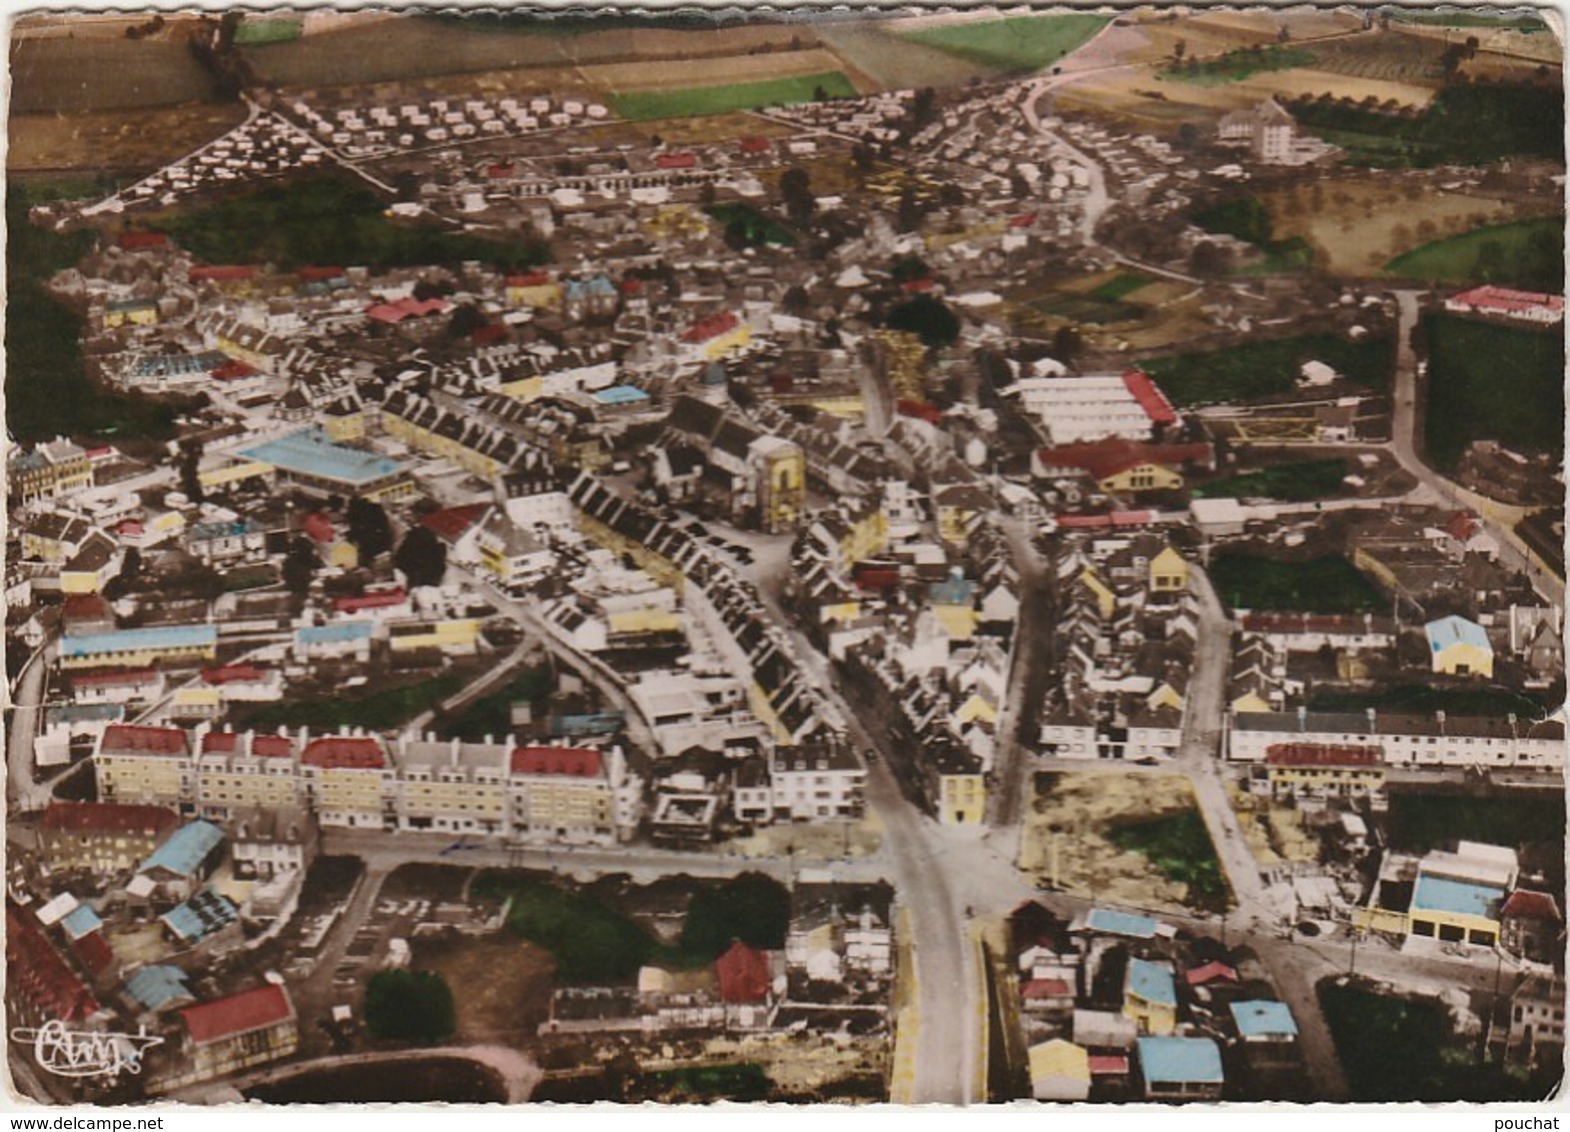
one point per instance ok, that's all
(94, 953)
(710, 328)
(1322, 755)
(382, 600)
(129, 739)
(394, 313)
(233, 674)
(1214, 971)
(242, 1013)
(755, 145)
(499, 171)
(743, 974)
(1109, 520)
(1040, 990)
(84, 819)
(222, 273)
(676, 161)
(233, 371)
(115, 679)
(1103, 459)
(272, 747)
(529, 279)
(558, 762)
(343, 752)
(1151, 399)
(1524, 904)
(142, 241)
(1108, 1064)
(452, 523)
(220, 743)
(38, 977)
(1534, 306)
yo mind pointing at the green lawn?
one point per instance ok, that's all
(1237, 65)
(1296, 482)
(1329, 584)
(1528, 254)
(1120, 285)
(1023, 43)
(1492, 382)
(697, 101)
(1179, 845)
(492, 714)
(321, 220)
(389, 707)
(1252, 370)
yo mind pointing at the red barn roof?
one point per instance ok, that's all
(1321, 755)
(743, 974)
(126, 738)
(81, 818)
(342, 752)
(1151, 399)
(238, 1014)
(569, 762)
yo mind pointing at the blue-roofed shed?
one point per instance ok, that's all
(158, 986)
(1259, 1020)
(200, 916)
(1121, 923)
(621, 395)
(187, 852)
(81, 921)
(1180, 1068)
(1152, 982)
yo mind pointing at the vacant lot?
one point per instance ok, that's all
(133, 142)
(66, 76)
(1492, 382)
(1252, 370)
(1527, 254)
(692, 101)
(1024, 43)
(1356, 225)
(1123, 837)
(386, 707)
(1329, 584)
(501, 985)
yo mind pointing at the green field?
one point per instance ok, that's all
(1492, 382)
(1179, 845)
(1121, 285)
(1251, 370)
(1248, 219)
(389, 707)
(639, 106)
(1236, 66)
(48, 392)
(1329, 584)
(1296, 482)
(1023, 43)
(1464, 125)
(1528, 254)
(329, 220)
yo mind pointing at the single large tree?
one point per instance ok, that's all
(421, 557)
(369, 528)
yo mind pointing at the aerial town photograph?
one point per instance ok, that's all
(865, 556)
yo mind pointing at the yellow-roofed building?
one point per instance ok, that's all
(1059, 1071)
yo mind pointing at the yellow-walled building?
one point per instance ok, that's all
(962, 799)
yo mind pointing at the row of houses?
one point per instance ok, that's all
(355, 780)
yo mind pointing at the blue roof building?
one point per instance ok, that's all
(186, 851)
(80, 921)
(338, 633)
(311, 458)
(621, 396)
(159, 639)
(1109, 922)
(1180, 1068)
(200, 916)
(1152, 982)
(952, 591)
(1259, 1020)
(158, 986)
